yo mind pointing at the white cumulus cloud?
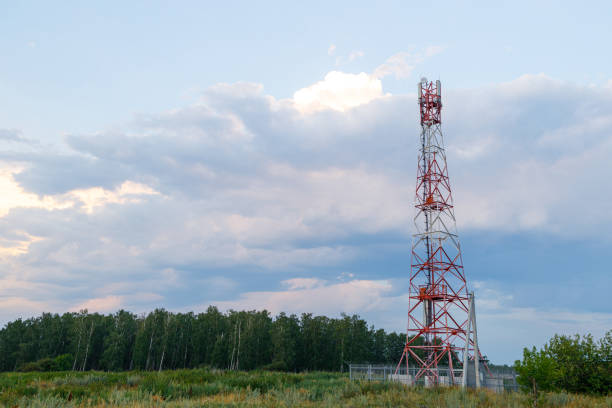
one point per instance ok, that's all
(339, 91)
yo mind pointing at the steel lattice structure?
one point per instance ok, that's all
(438, 296)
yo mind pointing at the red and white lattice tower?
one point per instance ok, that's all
(439, 301)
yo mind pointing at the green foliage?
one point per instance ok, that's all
(585, 366)
(63, 362)
(59, 363)
(161, 340)
(574, 364)
(536, 366)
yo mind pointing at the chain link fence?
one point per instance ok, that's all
(498, 382)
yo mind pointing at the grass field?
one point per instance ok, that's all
(213, 388)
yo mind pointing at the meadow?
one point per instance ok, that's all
(219, 388)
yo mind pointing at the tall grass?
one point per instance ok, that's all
(206, 388)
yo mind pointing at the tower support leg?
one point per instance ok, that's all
(467, 345)
(476, 350)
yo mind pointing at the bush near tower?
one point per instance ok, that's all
(577, 364)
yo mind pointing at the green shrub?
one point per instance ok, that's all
(59, 363)
(63, 362)
(575, 364)
(538, 367)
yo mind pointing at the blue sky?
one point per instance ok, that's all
(263, 154)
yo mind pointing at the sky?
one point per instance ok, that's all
(260, 155)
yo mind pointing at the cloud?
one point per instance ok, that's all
(107, 304)
(19, 307)
(331, 50)
(12, 135)
(87, 199)
(238, 145)
(343, 91)
(339, 91)
(303, 283)
(403, 63)
(536, 165)
(14, 196)
(353, 55)
(17, 243)
(243, 174)
(316, 296)
(94, 197)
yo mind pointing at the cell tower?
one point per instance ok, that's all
(439, 311)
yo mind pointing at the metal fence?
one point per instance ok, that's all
(407, 376)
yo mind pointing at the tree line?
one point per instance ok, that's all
(576, 364)
(163, 340)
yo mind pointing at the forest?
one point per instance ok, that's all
(161, 340)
